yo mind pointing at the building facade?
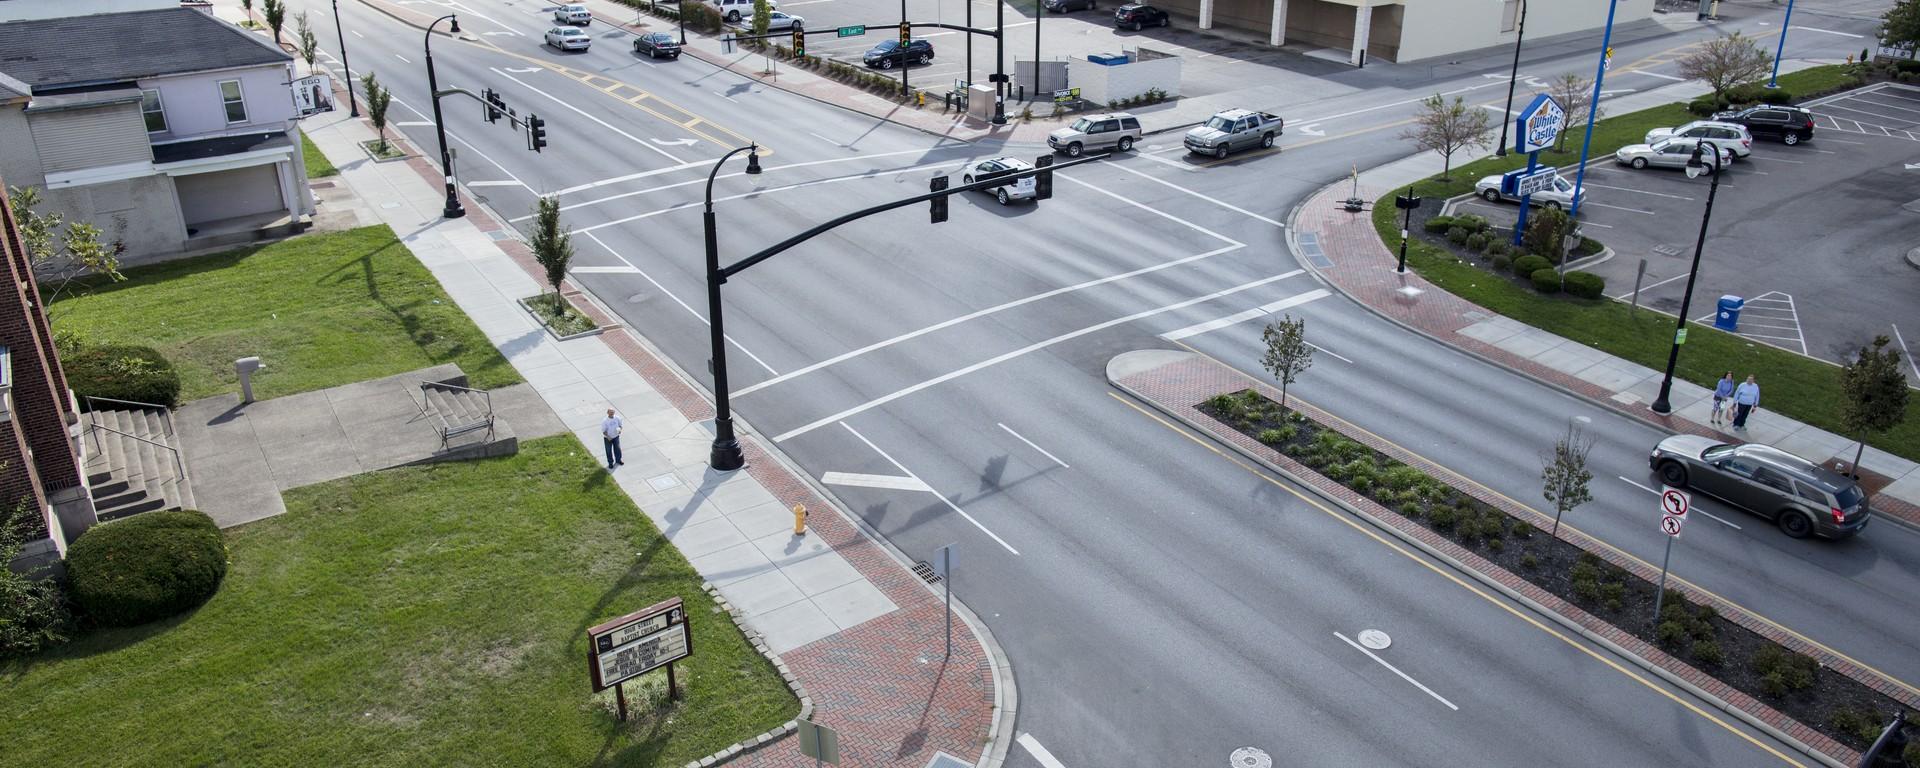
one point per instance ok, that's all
(1406, 30)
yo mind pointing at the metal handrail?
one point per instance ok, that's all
(451, 430)
(166, 415)
(179, 467)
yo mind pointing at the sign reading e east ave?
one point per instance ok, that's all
(1538, 125)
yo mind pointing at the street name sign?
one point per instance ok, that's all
(638, 643)
(853, 31)
(1538, 125)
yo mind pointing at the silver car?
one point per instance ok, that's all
(573, 13)
(1799, 496)
(1731, 137)
(778, 20)
(1560, 196)
(1665, 153)
(569, 38)
(1018, 189)
(1117, 131)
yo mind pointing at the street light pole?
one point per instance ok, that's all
(1512, 80)
(1662, 404)
(1000, 63)
(1773, 80)
(1593, 109)
(452, 209)
(726, 455)
(680, 14)
(1039, 9)
(346, 70)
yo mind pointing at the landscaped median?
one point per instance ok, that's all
(1764, 675)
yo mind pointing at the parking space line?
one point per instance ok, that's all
(943, 497)
(1620, 208)
(1638, 191)
(1647, 288)
(1775, 160)
(1889, 106)
(1837, 105)
(1396, 670)
(1909, 354)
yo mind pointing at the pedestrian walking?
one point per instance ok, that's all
(610, 434)
(1746, 398)
(1721, 393)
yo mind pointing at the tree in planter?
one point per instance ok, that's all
(1575, 94)
(378, 99)
(1288, 353)
(552, 246)
(1902, 26)
(1876, 394)
(1546, 234)
(1725, 62)
(1448, 127)
(1565, 477)
(305, 40)
(762, 16)
(276, 13)
(247, 5)
(62, 252)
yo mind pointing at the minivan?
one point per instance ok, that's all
(1117, 131)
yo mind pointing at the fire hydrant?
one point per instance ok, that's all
(799, 519)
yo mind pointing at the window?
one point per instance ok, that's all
(1807, 492)
(150, 109)
(1772, 479)
(1737, 465)
(1509, 15)
(230, 97)
(1129, 123)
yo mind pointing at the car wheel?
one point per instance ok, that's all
(1795, 524)
(886, 63)
(1164, 21)
(1672, 474)
(1266, 140)
(1220, 152)
(1074, 149)
(733, 16)
(1003, 197)
(1791, 139)
(927, 59)
(1137, 26)
(966, 180)
(1639, 162)
(1126, 143)
(1490, 195)
(1551, 205)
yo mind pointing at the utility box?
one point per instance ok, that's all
(1728, 318)
(980, 101)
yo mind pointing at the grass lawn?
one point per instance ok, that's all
(1816, 81)
(317, 164)
(321, 310)
(1796, 386)
(422, 616)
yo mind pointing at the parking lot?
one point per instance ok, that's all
(1812, 236)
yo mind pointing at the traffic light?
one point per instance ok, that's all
(494, 104)
(1043, 181)
(939, 203)
(799, 41)
(536, 132)
(906, 32)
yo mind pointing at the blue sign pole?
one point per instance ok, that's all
(1593, 109)
(1526, 200)
(1773, 80)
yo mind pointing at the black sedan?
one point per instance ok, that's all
(891, 53)
(1137, 16)
(656, 45)
(1064, 6)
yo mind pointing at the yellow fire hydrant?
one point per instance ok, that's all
(799, 519)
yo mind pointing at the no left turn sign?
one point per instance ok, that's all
(1674, 502)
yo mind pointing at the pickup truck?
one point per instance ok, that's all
(1233, 130)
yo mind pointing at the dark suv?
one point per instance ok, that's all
(1801, 497)
(1137, 16)
(1063, 6)
(1789, 124)
(890, 53)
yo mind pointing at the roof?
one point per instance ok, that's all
(11, 89)
(201, 149)
(82, 97)
(119, 47)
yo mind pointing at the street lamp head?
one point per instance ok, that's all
(456, 24)
(1695, 166)
(753, 160)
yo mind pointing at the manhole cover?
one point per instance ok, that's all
(1375, 639)
(1250, 757)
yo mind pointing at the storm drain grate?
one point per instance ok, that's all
(925, 572)
(944, 760)
(500, 234)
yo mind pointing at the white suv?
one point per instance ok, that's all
(735, 10)
(1732, 138)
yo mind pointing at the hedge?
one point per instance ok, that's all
(1545, 280)
(1530, 263)
(146, 567)
(1586, 285)
(122, 372)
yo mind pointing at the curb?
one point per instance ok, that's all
(1488, 581)
(752, 743)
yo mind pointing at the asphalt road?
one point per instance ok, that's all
(1161, 604)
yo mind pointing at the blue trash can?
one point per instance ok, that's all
(1728, 318)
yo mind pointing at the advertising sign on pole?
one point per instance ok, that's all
(1538, 125)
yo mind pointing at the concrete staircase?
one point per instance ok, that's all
(464, 420)
(134, 462)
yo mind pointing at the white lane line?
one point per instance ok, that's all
(1040, 753)
(1153, 210)
(1770, 160)
(949, 502)
(676, 299)
(1709, 515)
(402, 58)
(1895, 118)
(685, 166)
(412, 123)
(1221, 203)
(724, 96)
(754, 193)
(1241, 317)
(494, 182)
(845, 356)
(1001, 358)
(1396, 670)
(804, 2)
(1628, 210)
(356, 33)
(618, 270)
(889, 482)
(1043, 451)
(1336, 355)
(1637, 191)
(1644, 289)
(825, 139)
(1909, 354)
(456, 137)
(1828, 31)
(1659, 75)
(583, 113)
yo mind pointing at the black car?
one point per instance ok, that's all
(656, 45)
(1063, 6)
(891, 53)
(1136, 17)
(1788, 124)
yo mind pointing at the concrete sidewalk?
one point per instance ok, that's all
(850, 622)
(1345, 249)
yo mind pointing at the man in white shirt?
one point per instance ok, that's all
(610, 433)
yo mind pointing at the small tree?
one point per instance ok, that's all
(247, 5)
(305, 40)
(762, 17)
(1725, 62)
(1565, 477)
(1448, 127)
(62, 252)
(1546, 234)
(378, 99)
(276, 12)
(1876, 393)
(1575, 94)
(1902, 26)
(552, 246)
(1288, 353)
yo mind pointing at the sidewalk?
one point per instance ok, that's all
(852, 625)
(1345, 249)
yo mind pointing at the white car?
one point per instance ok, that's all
(573, 13)
(778, 20)
(1667, 153)
(1731, 137)
(1560, 196)
(735, 10)
(569, 38)
(983, 170)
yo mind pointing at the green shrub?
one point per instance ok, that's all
(33, 609)
(1402, 477)
(1783, 671)
(122, 372)
(1501, 263)
(1270, 436)
(1545, 232)
(1498, 247)
(1613, 591)
(1586, 285)
(1707, 652)
(1457, 234)
(1671, 634)
(1438, 224)
(1545, 280)
(1410, 509)
(1221, 403)
(146, 567)
(1529, 562)
(1522, 529)
(1907, 66)
(1477, 242)
(1704, 106)
(1474, 223)
(1443, 518)
(1361, 483)
(1336, 472)
(1586, 589)
(1496, 544)
(1530, 263)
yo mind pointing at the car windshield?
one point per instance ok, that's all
(1848, 496)
(886, 46)
(1717, 452)
(1081, 125)
(1219, 123)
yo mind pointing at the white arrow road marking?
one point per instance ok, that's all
(523, 70)
(1311, 130)
(1396, 670)
(1040, 753)
(675, 142)
(1709, 515)
(892, 482)
(1913, 166)
(1534, 82)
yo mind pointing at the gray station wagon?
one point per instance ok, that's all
(1799, 496)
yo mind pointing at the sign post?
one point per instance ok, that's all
(819, 742)
(1535, 129)
(638, 643)
(1673, 507)
(946, 583)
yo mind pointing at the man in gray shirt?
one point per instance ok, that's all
(610, 433)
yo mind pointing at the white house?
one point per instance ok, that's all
(1406, 30)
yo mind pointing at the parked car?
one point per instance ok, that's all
(1665, 153)
(778, 20)
(573, 13)
(1788, 124)
(735, 10)
(656, 45)
(891, 53)
(1233, 130)
(1117, 131)
(1799, 496)
(1731, 137)
(1560, 196)
(1063, 6)
(569, 38)
(1136, 16)
(986, 170)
